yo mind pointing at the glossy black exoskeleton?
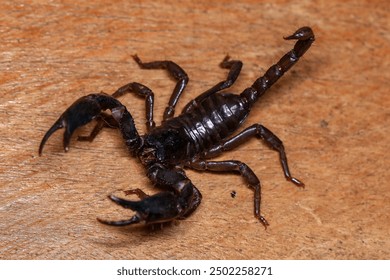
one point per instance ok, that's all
(202, 131)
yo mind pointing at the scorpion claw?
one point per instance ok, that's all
(133, 220)
(60, 123)
(158, 208)
(122, 202)
(126, 204)
(79, 113)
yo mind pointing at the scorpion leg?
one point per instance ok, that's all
(138, 192)
(177, 73)
(265, 134)
(89, 107)
(235, 166)
(179, 200)
(234, 67)
(103, 120)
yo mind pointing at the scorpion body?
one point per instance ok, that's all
(202, 131)
(200, 127)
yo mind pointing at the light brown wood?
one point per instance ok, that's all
(331, 110)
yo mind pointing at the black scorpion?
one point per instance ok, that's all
(201, 132)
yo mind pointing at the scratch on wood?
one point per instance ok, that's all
(312, 213)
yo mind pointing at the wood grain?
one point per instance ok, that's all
(331, 110)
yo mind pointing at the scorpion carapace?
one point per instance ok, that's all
(202, 131)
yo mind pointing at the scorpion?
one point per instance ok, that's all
(190, 140)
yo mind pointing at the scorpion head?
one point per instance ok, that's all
(161, 146)
(147, 155)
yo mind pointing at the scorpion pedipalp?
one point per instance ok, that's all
(158, 208)
(79, 113)
(84, 110)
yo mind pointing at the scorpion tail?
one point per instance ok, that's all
(305, 37)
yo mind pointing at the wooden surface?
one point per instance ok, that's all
(331, 110)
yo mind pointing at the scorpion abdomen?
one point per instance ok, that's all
(209, 121)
